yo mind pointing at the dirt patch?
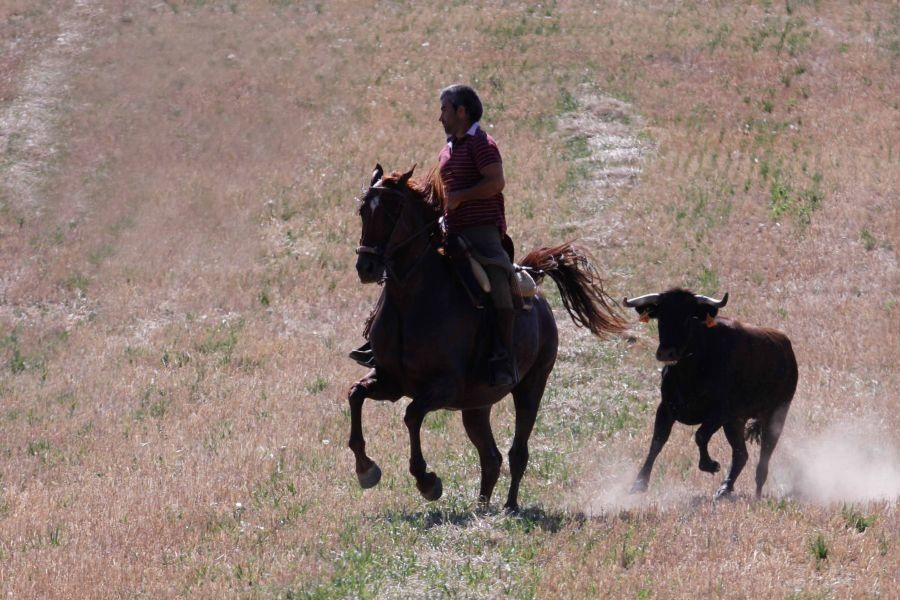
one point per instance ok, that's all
(30, 142)
(28, 125)
(608, 154)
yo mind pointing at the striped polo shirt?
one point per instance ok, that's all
(460, 163)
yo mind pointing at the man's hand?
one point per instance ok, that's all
(492, 182)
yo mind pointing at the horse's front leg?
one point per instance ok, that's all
(428, 484)
(371, 386)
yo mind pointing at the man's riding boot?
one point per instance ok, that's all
(503, 362)
(364, 355)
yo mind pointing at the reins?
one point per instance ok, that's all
(385, 254)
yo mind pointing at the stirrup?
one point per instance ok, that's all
(502, 370)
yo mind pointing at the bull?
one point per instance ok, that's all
(718, 373)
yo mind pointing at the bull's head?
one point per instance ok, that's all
(680, 314)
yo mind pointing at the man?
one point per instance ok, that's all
(471, 170)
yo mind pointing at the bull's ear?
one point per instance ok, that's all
(645, 313)
(708, 314)
(405, 177)
(376, 174)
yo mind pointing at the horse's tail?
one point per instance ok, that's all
(753, 431)
(580, 287)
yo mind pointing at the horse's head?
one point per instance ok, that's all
(387, 221)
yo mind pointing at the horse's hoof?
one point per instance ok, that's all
(434, 491)
(511, 509)
(370, 477)
(638, 487)
(710, 467)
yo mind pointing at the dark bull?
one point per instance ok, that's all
(719, 373)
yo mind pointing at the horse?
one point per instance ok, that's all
(429, 337)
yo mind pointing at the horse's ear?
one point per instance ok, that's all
(405, 177)
(376, 174)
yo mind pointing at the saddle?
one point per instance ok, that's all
(474, 279)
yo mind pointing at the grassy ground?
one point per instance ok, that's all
(177, 295)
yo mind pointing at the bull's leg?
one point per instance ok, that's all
(662, 427)
(771, 431)
(702, 437)
(371, 386)
(527, 398)
(734, 433)
(428, 484)
(478, 427)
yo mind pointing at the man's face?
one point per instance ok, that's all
(453, 119)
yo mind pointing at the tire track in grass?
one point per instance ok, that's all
(29, 143)
(606, 155)
(28, 126)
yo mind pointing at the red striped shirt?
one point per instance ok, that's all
(460, 164)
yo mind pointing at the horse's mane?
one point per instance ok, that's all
(429, 189)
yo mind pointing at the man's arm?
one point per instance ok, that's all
(491, 184)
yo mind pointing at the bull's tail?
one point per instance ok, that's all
(753, 431)
(580, 287)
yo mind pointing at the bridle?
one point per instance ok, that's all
(386, 252)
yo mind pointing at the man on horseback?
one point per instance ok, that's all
(429, 335)
(471, 172)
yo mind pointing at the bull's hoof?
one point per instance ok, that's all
(711, 466)
(638, 487)
(431, 488)
(370, 477)
(723, 493)
(511, 509)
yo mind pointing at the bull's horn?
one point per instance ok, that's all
(712, 301)
(641, 301)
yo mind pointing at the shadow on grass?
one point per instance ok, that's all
(525, 520)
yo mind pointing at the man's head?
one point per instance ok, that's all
(460, 107)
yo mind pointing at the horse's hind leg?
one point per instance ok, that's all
(527, 398)
(478, 426)
(769, 434)
(428, 484)
(367, 471)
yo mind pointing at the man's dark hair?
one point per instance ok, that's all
(462, 95)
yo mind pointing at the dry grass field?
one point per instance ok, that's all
(177, 293)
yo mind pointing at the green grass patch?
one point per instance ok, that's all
(317, 385)
(153, 404)
(76, 282)
(438, 420)
(818, 548)
(221, 341)
(788, 198)
(855, 519)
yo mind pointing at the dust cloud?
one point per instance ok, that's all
(857, 461)
(852, 462)
(607, 489)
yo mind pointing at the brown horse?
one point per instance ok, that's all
(429, 340)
